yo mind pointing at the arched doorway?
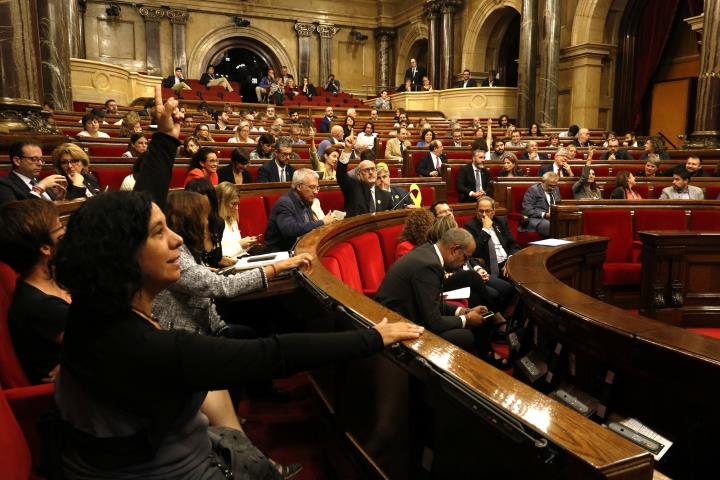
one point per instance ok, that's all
(419, 51)
(244, 66)
(502, 44)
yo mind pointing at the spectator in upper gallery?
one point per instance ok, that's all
(466, 81)
(210, 79)
(655, 145)
(586, 187)
(681, 188)
(395, 147)
(222, 120)
(537, 203)
(91, 124)
(277, 169)
(693, 166)
(332, 85)
(571, 132)
(652, 164)
(531, 152)
(204, 164)
(630, 140)
(111, 107)
(176, 82)
(515, 141)
(407, 86)
(614, 152)
(415, 73)
(285, 75)
(431, 164)
(307, 88)
(136, 146)
(583, 139)
(473, 179)
(625, 182)
(383, 101)
(560, 165)
(510, 166)
(327, 120)
(492, 80)
(276, 94)
(426, 86)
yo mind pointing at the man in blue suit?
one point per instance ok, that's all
(291, 216)
(277, 169)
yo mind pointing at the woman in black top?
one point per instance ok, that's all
(212, 256)
(129, 394)
(72, 161)
(29, 232)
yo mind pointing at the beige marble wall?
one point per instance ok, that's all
(94, 81)
(461, 102)
(117, 41)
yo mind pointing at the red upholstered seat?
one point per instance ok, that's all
(252, 217)
(463, 219)
(620, 267)
(370, 261)
(178, 177)
(710, 332)
(112, 177)
(344, 253)
(428, 196)
(712, 192)
(332, 266)
(708, 220)
(270, 201)
(17, 462)
(415, 158)
(11, 372)
(107, 150)
(565, 191)
(331, 200)
(655, 219)
(388, 237)
(452, 195)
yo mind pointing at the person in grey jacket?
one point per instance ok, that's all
(681, 188)
(586, 187)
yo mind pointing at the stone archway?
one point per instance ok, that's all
(477, 42)
(405, 45)
(231, 36)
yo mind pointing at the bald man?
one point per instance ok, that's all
(336, 136)
(360, 192)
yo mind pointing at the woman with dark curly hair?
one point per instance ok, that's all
(414, 232)
(265, 145)
(29, 234)
(129, 393)
(625, 181)
(204, 164)
(213, 253)
(426, 136)
(654, 145)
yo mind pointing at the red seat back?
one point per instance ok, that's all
(252, 217)
(331, 200)
(616, 224)
(708, 220)
(517, 193)
(332, 265)
(712, 192)
(428, 196)
(270, 201)
(344, 254)
(388, 237)
(112, 177)
(653, 219)
(371, 263)
(17, 462)
(11, 372)
(452, 195)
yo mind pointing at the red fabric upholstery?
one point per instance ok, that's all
(252, 217)
(253, 171)
(653, 219)
(388, 237)
(463, 219)
(107, 150)
(344, 254)
(452, 195)
(705, 220)
(11, 372)
(619, 268)
(428, 196)
(178, 177)
(112, 177)
(517, 193)
(16, 463)
(332, 200)
(712, 192)
(269, 202)
(565, 191)
(332, 266)
(371, 263)
(710, 332)
(28, 405)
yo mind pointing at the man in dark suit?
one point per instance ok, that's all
(277, 169)
(491, 81)
(176, 82)
(614, 152)
(693, 167)
(326, 120)
(413, 287)
(537, 202)
(22, 183)
(431, 164)
(466, 81)
(559, 166)
(493, 240)
(210, 79)
(583, 139)
(473, 178)
(291, 216)
(531, 152)
(400, 197)
(360, 192)
(415, 74)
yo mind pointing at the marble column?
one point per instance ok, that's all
(431, 9)
(526, 66)
(384, 38)
(304, 32)
(152, 17)
(55, 23)
(447, 36)
(21, 85)
(326, 32)
(178, 19)
(550, 64)
(76, 27)
(707, 106)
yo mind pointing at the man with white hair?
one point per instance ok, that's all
(360, 192)
(336, 136)
(583, 139)
(292, 216)
(537, 202)
(531, 152)
(560, 166)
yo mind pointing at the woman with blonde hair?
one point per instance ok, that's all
(242, 134)
(130, 124)
(233, 244)
(72, 162)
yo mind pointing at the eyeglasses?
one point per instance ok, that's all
(283, 154)
(312, 188)
(34, 159)
(74, 161)
(486, 210)
(367, 169)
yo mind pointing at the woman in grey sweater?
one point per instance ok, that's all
(586, 187)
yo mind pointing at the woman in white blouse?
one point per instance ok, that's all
(91, 123)
(242, 134)
(233, 243)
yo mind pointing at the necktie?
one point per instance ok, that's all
(372, 200)
(478, 181)
(494, 268)
(559, 172)
(402, 148)
(282, 175)
(33, 182)
(552, 199)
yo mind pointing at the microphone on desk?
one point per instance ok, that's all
(400, 201)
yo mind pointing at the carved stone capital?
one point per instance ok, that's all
(177, 17)
(450, 6)
(384, 32)
(327, 31)
(151, 14)
(431, 9)
(305, 29)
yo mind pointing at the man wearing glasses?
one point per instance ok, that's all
(277, 169)
(292, 216)
(22, 182)
(360, 191)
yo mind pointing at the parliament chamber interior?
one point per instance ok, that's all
(536, 183)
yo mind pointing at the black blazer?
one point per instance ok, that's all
(482, 238)
(541, 156)
(400, 198)
(289, 219)
(471, 83)
(156, 167)
(357, 194)
(486, 83)
(225, 174)
(420, 72)
(325, 125)
(169, 81)
(268, 172)
(413, 287)
(91, 182)
(576, 142)
(549, 168)
(206, 77)
(466, 182)
(13, 188)
(619, 155)
(426, 165)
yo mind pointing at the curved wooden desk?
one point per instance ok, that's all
(456, 388)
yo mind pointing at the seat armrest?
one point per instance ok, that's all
(636, 251)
